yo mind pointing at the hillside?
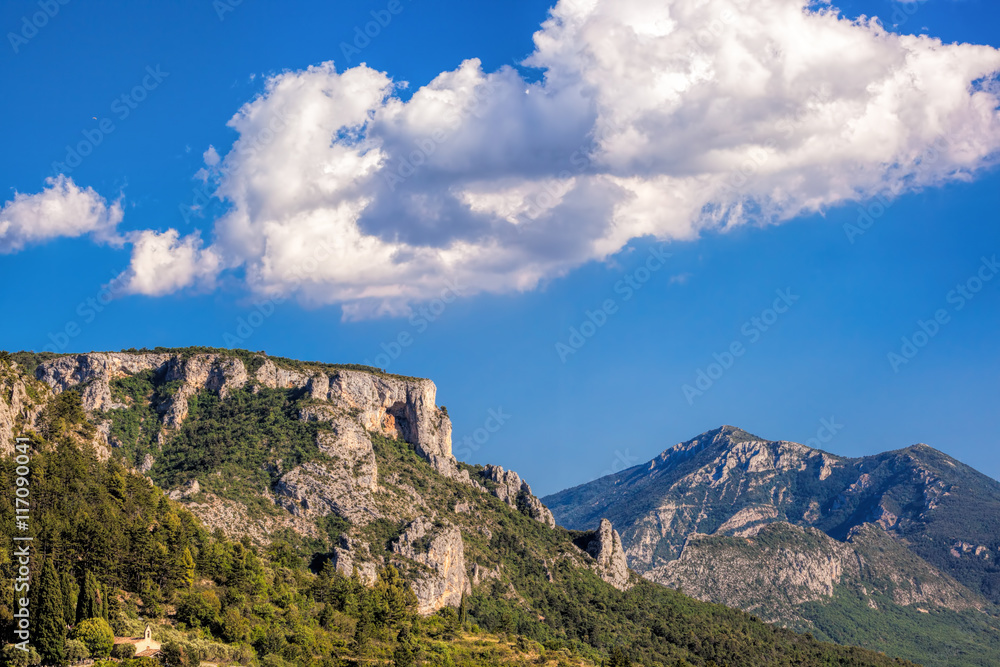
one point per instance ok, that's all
(789, 533)
(313, 515)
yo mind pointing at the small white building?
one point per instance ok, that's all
(145, 646)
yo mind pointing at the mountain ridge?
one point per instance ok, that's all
(349, 471)
(692, 518)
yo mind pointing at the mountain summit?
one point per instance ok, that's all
(777, 528)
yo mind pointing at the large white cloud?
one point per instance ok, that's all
(660, 118)
(61, 209)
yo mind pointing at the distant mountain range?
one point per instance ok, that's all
(899, 551)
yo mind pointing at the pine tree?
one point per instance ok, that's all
(88, 602)
(405, 654)
(70, 591)
(188, 568)
(50, 639)
(102, 601)
(463, 613)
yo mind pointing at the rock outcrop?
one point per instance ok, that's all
(216, 373)
(350, 556)
(511, 489)
(605, 546)
(236, 520)
(21, 404)
(392, 406)
(342, 484)
(442, 553)
(92, 373)
(777, 567)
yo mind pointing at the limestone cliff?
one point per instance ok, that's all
(510, 488)
(443, 579)
(361, 460)
(390, 405)
(22, 400)
(778, 567)
(605, 546)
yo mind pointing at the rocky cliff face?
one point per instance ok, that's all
(441, 552)
(343, 484)
(21, 403)
(510, 488)
(775, 568)
(605, 546)
(395, 407)
(357, 484)
(691, 517)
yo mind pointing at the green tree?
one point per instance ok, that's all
(123, 651)
(15, 657)
(407, 649)
(97, 635)
(235, 628)
(187, 562)
(173, 655)
(50, 638)
(152, 599)
(394, 598)
(70, 591)
(199, 609)
(463, 612)
(619, 658)
(76, 651)
(88, 603)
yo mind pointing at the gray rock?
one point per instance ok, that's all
(514, 491)
(18, 411)
(351, 556)
(441, 551)
(610, 563)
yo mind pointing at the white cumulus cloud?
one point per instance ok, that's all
(61, 209)
(653, 118)
(164, 263)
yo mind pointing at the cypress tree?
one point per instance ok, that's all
(50, 639)
(187, 562)
(70, 592)
(88, 603)
(102, 600)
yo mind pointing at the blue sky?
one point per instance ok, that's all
(617, 399)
